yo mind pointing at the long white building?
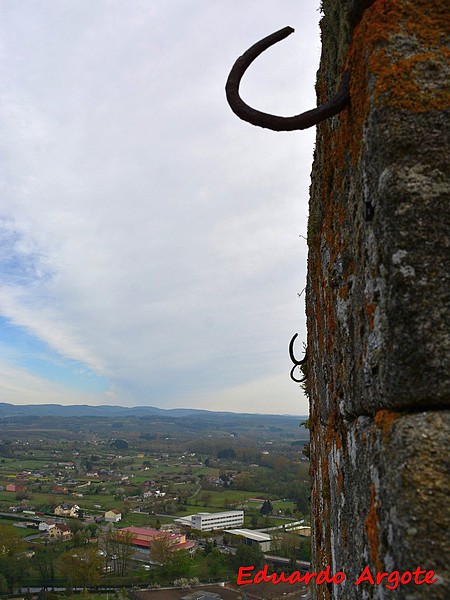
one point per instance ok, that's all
(205, 521)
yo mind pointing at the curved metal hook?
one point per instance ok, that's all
(291, 374)
(291, 353)
(261, 119)
(297, 363)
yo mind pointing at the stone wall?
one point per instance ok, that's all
(378, 298)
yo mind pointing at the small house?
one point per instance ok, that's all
(67, 510)
(113, 516)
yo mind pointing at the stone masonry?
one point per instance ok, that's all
(378, 297)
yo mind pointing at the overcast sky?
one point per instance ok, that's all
(151, 249)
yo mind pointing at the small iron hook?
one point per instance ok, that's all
(291, 374)
(297, 363)
(273, 122)
(291, 353)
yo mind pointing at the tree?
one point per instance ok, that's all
(76, 526)
(3, 584)
(179, 564)
(11, 561)
(119, 546)
(302, 504)
(45, 562)
(304, 549)
(275, 545)
(289, 545)
(226, 453)
(161, 549)
(214, 560)
(80, 537)
(5, 448)
(24, 495)
(81, 567)
(120, 493)
(93, 530)
(205, 498)
(249, 556)
(208, 547)
(267, 508)
(119, 444)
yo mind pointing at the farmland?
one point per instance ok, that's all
(149, 471)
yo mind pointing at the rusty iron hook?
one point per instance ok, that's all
(291, 353)
(273, 122)
(297, 363)
(291, 374)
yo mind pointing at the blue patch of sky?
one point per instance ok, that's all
(16, 268)
(38, 358)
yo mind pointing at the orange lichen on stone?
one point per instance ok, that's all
(372, 528)
(397, 79)
(386, 77)
(384, 419)
(409, 91)
(370, 311)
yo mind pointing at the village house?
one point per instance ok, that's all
(67, 510)
(112, 516)
(46, 525)
(215, 481)
(64, 532)
(15, 487)
(66, 465)
(60, 531)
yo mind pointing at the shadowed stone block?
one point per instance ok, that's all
(380, 501)
(378, 298)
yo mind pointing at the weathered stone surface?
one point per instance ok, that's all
(380, 500)
(378, 292)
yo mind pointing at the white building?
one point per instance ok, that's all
(46, 525)
(112, 516)
(253, 537)
(205, 521)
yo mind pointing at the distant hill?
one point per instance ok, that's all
(85, 410)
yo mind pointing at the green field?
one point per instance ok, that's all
(22, 531)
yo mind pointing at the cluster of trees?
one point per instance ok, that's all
(12, 551)
(85, 565)
(180, 562)
(78, 564)
(226, 454)
(290, 480)
(81, 568)
(119, 444)
(118, 551)
(291, 546)
(248, 555)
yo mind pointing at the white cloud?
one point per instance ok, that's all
(152, 232)
(19, 386)
(267, 394)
